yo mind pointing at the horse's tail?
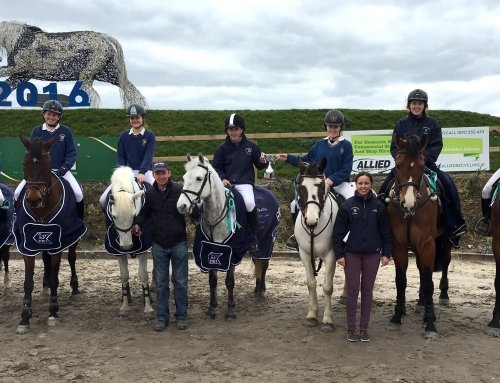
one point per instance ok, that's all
(128, 92)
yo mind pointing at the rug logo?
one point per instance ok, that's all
(42, 238)
(214, 258)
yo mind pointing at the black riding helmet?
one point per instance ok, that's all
(136, 110)
(334, 117)
(234, 120)
(418, 95)
(53, 106)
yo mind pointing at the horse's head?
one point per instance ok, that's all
(37, 171)
(410, 165)
(312, 191)
(124, 203)
(197, 183)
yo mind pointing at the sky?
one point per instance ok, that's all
(284, 54)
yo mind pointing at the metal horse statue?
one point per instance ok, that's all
(414, 214)
(494, 325)
(223, 237)
(46, 221)
(124, 203)
(65, 56)
(6, 237)
(313, 231)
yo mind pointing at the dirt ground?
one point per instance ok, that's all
(267, 343)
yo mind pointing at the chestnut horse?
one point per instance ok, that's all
(414, 214)
(42, 224)
(495, 232)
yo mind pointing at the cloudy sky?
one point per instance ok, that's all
(281, 54)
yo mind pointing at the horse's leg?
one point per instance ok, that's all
(401, 265)
(445, 249)
(73, 282)
(46, 274)
(126, 297)
(29, 270)
(330, 266)
(495, 322)
(231, 305)
(5, 255)
(87, 79)
(212, 281)
(146, 295)
(427, 287)
(312, 314)
(55, 263)
(261, 266)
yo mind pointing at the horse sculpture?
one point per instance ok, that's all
(124, 203)
(223, 237)
(6, 237)
(494, 325)
(65, 56)
(313, 231)
(46, 221)
(414, 214)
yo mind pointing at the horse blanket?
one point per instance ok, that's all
(60, 232)
(140, 244)
(209, 255)
(6, 215)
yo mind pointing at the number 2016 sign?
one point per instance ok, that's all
(27, 94)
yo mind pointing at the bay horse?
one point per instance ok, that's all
(313, 231)
(124, 203)
(85, 56)
(222, 237)
(46, 221)
(494, 325)
(414, 216)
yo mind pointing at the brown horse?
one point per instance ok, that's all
(495, 232)
(42, 202)
(414, 213)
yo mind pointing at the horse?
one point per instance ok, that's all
(46, 221)
(85, 56)
(6, 236)
(414, 212)
(313, 231)
(222, 237)
(124, 203)
(494, 325)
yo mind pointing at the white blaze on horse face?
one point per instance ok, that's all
(123, 211)
(409, 199)
(312, 210)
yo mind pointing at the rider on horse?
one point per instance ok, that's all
(63, 152)
(418, 123)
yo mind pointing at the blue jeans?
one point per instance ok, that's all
(178, 254)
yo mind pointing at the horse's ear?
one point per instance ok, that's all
(201, 158)
(24, 140)
(322, 165)
(302, 167)
(189, 157)
(47, 145)
(423, 141)
(111, 198)
(399, 142)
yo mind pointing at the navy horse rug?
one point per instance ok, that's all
(6, 214)
(209, 255)
(57, 234)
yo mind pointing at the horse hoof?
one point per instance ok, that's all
(493, 331)
(444, 301)
(123, 314)
(230, 317)
(210, 317)
(328, 327)
(393, 327)
(419, 309)
(430, 335)
(22, 329)
(311, 322)
(52, 322)
(150, 315)
(74, 297)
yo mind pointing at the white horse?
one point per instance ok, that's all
(65, 56)
(218, 227)
(125, 202)
(313, 231)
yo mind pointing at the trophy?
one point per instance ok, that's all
(269, 172)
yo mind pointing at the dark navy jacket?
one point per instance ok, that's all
(412, 125)
(63, 152)
(367, 222)
(235, 161)
(136, 151)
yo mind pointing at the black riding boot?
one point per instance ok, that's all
(80, 209)
(253, 221)
(483, 225)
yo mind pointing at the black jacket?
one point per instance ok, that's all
(169, 226)
(367, 222)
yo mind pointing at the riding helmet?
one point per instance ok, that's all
(419, 95)
(136, 110)
(52, 106)
(334, 117)
(234, 120)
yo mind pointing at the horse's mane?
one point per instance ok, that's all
(312, 170)
(122, 180)
(414, 147)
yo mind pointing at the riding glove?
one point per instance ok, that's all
(61, 172)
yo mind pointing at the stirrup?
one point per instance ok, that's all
(483, 227)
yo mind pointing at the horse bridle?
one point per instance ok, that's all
(113, 220)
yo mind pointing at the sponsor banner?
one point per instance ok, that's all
(464, 150)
